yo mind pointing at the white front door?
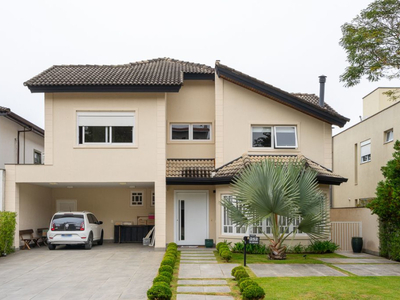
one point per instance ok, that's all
(191, 211)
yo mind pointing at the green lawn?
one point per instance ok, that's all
(330, 287)
(291, 258)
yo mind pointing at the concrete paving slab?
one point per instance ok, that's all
(371, 270)
(110, 271)
(293, 270)
(356, 255)
(206, 270)
(202, 297)
(202, 282)
(198, 257)
(358, 260)
(192, 261)
(203, 289)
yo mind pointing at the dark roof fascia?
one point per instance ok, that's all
(24, 123)
(196, 76)
(228, 74)
(198, 181)
(105, 89)
(322, 179)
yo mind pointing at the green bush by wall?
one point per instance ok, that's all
(7, 229)
(389, 239)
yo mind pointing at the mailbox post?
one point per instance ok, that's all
(246, 241)
(251, 239)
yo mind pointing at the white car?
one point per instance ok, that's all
(74, 228)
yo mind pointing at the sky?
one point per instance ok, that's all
(285, 43)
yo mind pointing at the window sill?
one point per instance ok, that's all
(188, 142)
(105, 147)
(388, 142)
(295, 150)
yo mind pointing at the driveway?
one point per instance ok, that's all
(110, 271)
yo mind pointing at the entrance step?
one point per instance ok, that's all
(185, 257)
(197, 254)
(202, 297)
(203, 289)
(202, 282)
(191, 261)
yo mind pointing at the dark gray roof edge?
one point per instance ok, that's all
(285, 97)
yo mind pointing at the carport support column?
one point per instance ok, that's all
(11, 202)
(159, 185)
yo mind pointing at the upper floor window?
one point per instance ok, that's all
(191, 132)
(37, 157)
(389, 135)
(274, 136)
(106, 127)
(365, 148)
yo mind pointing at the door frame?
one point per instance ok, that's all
(176, 215)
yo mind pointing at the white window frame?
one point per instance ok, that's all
(153, 199)
(273, 136)
(108, 122)
(365, 145)
(190, 139)
(39, 153)
(259, 229)
(141, 193)
(389, 136)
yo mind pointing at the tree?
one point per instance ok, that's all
(273, 190)
(372, 43)
(387, 202)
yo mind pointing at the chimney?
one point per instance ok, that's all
(322, 80)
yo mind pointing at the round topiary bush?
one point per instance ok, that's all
(241, 274)
(236, 269)
(242, 280)
(166, 274)
(253, 292)
(168, 262)
(227, 255)
(172, 246)
(170, 256)
(159, 292)
(245, 283)
(162, 278)
(219, 244)
(166, 268)
(222, 248)
(162, 283)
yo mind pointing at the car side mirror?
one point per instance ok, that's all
(100, 222)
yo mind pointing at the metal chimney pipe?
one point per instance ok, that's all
(322, 80)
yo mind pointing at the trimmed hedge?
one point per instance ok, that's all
(7, 230)
(236, 269)
(389, 239)
(245, 283)
(239, 274)
(166, 268)
(159, 292)
(162, 279)
(253, 292)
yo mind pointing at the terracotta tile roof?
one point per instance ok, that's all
(314, 99)
(190, 168)
(160, 71)
(234, 167)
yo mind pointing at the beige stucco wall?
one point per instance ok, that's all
(363, 177)
(193, 104)
(212, 204)
(369, 225)
(243, 108)
(29, 141)
(36, 207)
(377, 101)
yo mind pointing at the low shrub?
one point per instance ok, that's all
(227, 255)
(253, 292)
(172, 245)
(219, 244)
(245, 283)
(162, 278)
(250, 248)
(7, 229)
(389, 238)
(242, 280)
(239, 274)
(321, 247)
(168, 262)
(222, 249)
(166, 268)
(236, 269)
(170, 256)
(297, 249)
(159, 292)
(166, 274)
(172, 252)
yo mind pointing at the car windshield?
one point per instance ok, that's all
(68, 222)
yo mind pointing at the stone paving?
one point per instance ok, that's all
(371, 269)
(293, 270)
(201, 275)
(111, 271)
(357, 261)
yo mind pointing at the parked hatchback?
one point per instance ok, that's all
(74, 228)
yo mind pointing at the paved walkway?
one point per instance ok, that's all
(202, 276)
(110, 271)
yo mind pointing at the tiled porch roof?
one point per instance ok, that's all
(190, 168)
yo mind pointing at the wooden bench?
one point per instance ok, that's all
(27, 237)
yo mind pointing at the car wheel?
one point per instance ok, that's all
(51, 246)
(89, 243)
(100, 241)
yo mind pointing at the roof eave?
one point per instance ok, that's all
(104, 88)
(323, 179)
(276, 94)
(24, 123)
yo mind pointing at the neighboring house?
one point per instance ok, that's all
(359, 152)
(166, 137)
(21, 142)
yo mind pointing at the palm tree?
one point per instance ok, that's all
(272, 190)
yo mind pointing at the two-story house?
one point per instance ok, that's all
(166, 137)
(21, 142)
(359, 153)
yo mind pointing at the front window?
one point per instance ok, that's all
(365, 151)
(37, 157)
(274, 137)
(389, 136)
(262, 136)
(285, 137)
(106, 127)
(190, 132)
